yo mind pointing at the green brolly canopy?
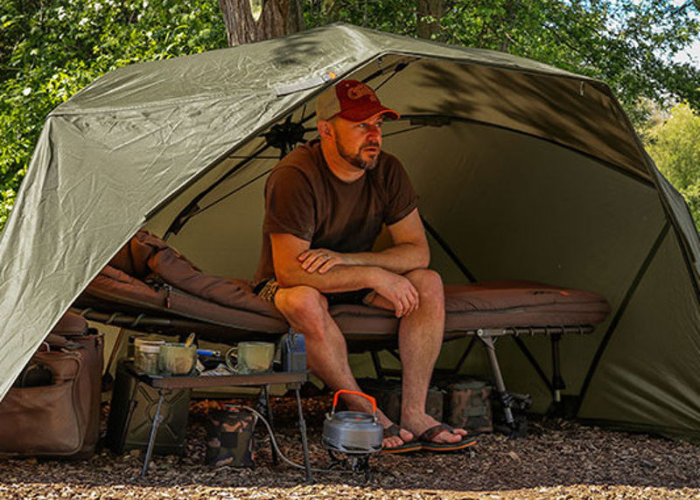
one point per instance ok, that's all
(524, 171)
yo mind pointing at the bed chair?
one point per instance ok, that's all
(148, 286)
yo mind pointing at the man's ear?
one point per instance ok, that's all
(324, 129)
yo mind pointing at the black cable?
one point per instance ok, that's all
(276, 447)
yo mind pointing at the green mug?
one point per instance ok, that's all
(251, 357)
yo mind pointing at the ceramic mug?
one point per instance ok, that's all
(177, 358)
(251, 357)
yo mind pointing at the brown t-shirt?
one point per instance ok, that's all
(304, 198)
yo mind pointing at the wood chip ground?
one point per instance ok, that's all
(559, 460)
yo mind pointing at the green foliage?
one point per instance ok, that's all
(50, 50)
(629, 44)
(674, 144)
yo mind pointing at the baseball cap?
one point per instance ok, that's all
(352, 100)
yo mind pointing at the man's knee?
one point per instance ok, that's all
(302, 304)
(428, 283)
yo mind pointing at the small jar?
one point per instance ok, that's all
(140, 340)
(131, 349)
(147, 360)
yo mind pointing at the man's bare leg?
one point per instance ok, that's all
(306, 310)
(420, 340)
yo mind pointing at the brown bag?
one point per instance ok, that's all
(60, 419)
(468, 406)
(388, 396)
(73, 327)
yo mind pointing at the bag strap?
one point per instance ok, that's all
(57, 342)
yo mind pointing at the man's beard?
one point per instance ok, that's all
(356, 160)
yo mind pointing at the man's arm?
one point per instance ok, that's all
(409, 251)
(289, 272)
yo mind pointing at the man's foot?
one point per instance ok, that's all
(392, 435)
(427, 443)
(440, 433)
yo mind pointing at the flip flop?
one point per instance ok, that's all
(411, 446)
(427, 443)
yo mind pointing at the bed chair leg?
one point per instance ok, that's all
(377, 365)
(515, 426)
(490, 344)
(558, 384)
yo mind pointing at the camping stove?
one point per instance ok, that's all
(352, 436)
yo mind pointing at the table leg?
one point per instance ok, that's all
(154, 429)
(268, 407)
(129, 414)
(304, 442)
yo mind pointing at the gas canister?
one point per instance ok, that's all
(293, 352)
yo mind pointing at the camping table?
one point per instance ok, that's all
(166, 384)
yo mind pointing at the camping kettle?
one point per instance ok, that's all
(353, 432)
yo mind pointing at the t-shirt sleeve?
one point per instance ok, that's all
(402, 198)
(289, 204)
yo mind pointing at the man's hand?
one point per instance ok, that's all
(399, 291)
(396, 289)
(321, 260)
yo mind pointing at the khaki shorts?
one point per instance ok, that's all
(267, 289)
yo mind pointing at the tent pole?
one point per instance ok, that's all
(453, 256)
(528, 355)
(620, 311)
(192, 209)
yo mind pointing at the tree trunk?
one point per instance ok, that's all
(279, 18)
(428, 28)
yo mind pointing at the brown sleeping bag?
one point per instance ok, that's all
(148, 275)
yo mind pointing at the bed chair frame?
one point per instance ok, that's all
(148, 286)
(358, 343)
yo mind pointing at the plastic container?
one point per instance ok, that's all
(143, 340)
(177, 358)
(147, 358)
(131, 345)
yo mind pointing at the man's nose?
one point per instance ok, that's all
(374, 130)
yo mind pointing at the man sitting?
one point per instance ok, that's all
(325, 204)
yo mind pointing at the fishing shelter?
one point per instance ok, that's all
(524, 171)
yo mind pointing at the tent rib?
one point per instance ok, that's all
(686, 252)
(531, 358)
(231, 193)
(621, 310)
(443, 244)
(399, 132)
(398, 67)
(683, 243)
(510, 66)
(632, 175)
(188, 212)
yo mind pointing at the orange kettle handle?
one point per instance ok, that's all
(361, 394)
